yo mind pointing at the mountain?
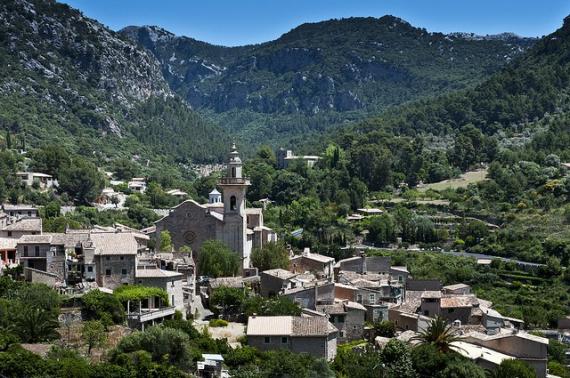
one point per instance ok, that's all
(520, 96)
(67, 79)
(323, 73)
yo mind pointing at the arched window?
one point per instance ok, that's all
(233, 203)
(233, 172)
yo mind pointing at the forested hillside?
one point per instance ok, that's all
(322, 74)
(68, 79)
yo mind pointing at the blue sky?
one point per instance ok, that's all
(238, 22)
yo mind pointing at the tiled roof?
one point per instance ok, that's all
(280, 273)
(25, 224)
(122, 243)
(235, 282)
(156, 273)
(431, 294)
(35, 239)
(313, 326)
(458, 301)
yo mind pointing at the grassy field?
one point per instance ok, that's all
(463, 181)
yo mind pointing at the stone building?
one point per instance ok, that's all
(312, 262)
(227, 219)
(312, 335)
(348, 317)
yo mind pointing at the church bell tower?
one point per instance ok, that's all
(234, 187)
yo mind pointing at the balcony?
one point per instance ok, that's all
(147, 315)
(234, 181)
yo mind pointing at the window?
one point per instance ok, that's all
(29, 213)
(107, 272)
(372, 297)
(25, 249)
(359, 298)
(426, 312)
(122, 257)
(124, 272)
(107, 258)
(9, 233)
(400, 278)
(450, 310)
(267, 340)
(233, 203)
(90, 269)
(284, 340)
(233, 172)
(37, 250)
(173, 304)
(342, 333)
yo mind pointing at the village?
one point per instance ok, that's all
(358, 301)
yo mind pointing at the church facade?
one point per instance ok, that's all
(224, 218)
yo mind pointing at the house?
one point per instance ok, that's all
(43, 180)
(137, 184)
(212, 366)
(285, 157)
(348, 317)
(309, 295)
(177, 193)
(20, 211)
(369, 212)
(458, 289)
(312, 335)
(8, 252)
(564, 323)
(312, 262)
(517, 344)
(275, 281)
(224, 218)
(21, 227)
(171, 282)
(364, 265)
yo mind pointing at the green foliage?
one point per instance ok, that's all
(165, 244)
(138, 293)
(271, 256)
(228, 299)
(218, 323)
(279, 306)
(81, 180)
(217, 260)
(439, 334)
(514, 368)
(93, 333)
(97, 305)
(385, 328)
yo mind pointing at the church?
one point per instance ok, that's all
(224, 218)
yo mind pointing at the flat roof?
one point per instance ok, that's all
(156, 273)
(476, 352)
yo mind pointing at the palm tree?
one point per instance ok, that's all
(439, 334)
(35, 324)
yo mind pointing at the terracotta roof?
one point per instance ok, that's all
(459, 301)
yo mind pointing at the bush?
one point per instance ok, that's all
(218, 323)
(97, 305)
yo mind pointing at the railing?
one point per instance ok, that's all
(234, 181)
(152, 314)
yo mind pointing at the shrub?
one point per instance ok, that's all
(218, 323)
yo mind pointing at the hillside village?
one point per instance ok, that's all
(359, 197)
(358, 300)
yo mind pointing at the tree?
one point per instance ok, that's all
(385, 328)
(81, 180)
(165, 241)
(93, 334)
(125, 169)
(438, 333)
(229, 299)
(97, 305)
(514, 368)
(271, 256)
(35, 324)
(217, 260)
(461, 368)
